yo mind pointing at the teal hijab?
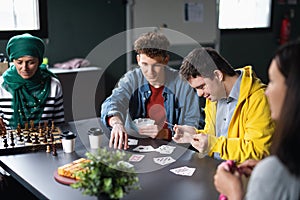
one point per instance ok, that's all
(29, 95)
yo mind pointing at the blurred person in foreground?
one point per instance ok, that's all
(277, 176)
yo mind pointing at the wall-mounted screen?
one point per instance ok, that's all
(244, 14)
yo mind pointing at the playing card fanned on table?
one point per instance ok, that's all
(136, 157)
(144, 149)
(132, 141)
(126, 164)
(164, 160)
(183, 171)
(165, 149)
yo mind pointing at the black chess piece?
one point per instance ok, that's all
(21, 138)
(45, 140)
(36, 139)
(54, 153)
(28, 138)
(12, 140)
(5, 142)
(51, 137)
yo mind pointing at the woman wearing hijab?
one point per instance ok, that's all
(28, 90)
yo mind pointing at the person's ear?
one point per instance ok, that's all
(219, 75)
(138, 58)
(166, 59)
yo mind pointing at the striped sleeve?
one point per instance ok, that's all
(53, 109)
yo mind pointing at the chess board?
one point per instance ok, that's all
(30, 139)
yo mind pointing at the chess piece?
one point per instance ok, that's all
(52, 126)
(21, 138)
(54, 153)
(48, 132)
(2, 128)
(40, 126)
(3, 133)
(26, 126)
(45, 125)
(41, 132)
(19, 130)
(36, 139)
(48, 149)
(29, 138)
(12, 139)
(45, 141)
(51, 137)
(32, 125)
(5, 142)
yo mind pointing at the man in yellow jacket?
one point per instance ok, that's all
(238, 124)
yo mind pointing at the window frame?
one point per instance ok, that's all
(42, 32)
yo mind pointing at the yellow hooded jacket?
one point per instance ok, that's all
(251, 127)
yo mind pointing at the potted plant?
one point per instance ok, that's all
(107, 175)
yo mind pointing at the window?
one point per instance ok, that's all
(244, 14)
(23, 16)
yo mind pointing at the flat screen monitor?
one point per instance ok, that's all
(244, 14)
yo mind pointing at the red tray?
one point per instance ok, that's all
(62, 179)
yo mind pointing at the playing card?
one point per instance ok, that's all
(136, 157)
(165, 149)
(143, 149)
(132, 141)
(164, 160)
(126, 164)
(184, 171)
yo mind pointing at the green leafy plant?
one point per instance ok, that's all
(106, 173)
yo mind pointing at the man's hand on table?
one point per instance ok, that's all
(118, 137)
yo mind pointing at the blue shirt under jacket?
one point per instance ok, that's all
(128, 100)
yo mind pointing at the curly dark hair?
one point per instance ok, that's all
(152, 44)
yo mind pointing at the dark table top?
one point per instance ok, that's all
(35, 170)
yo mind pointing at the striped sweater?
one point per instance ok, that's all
(53, 109)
